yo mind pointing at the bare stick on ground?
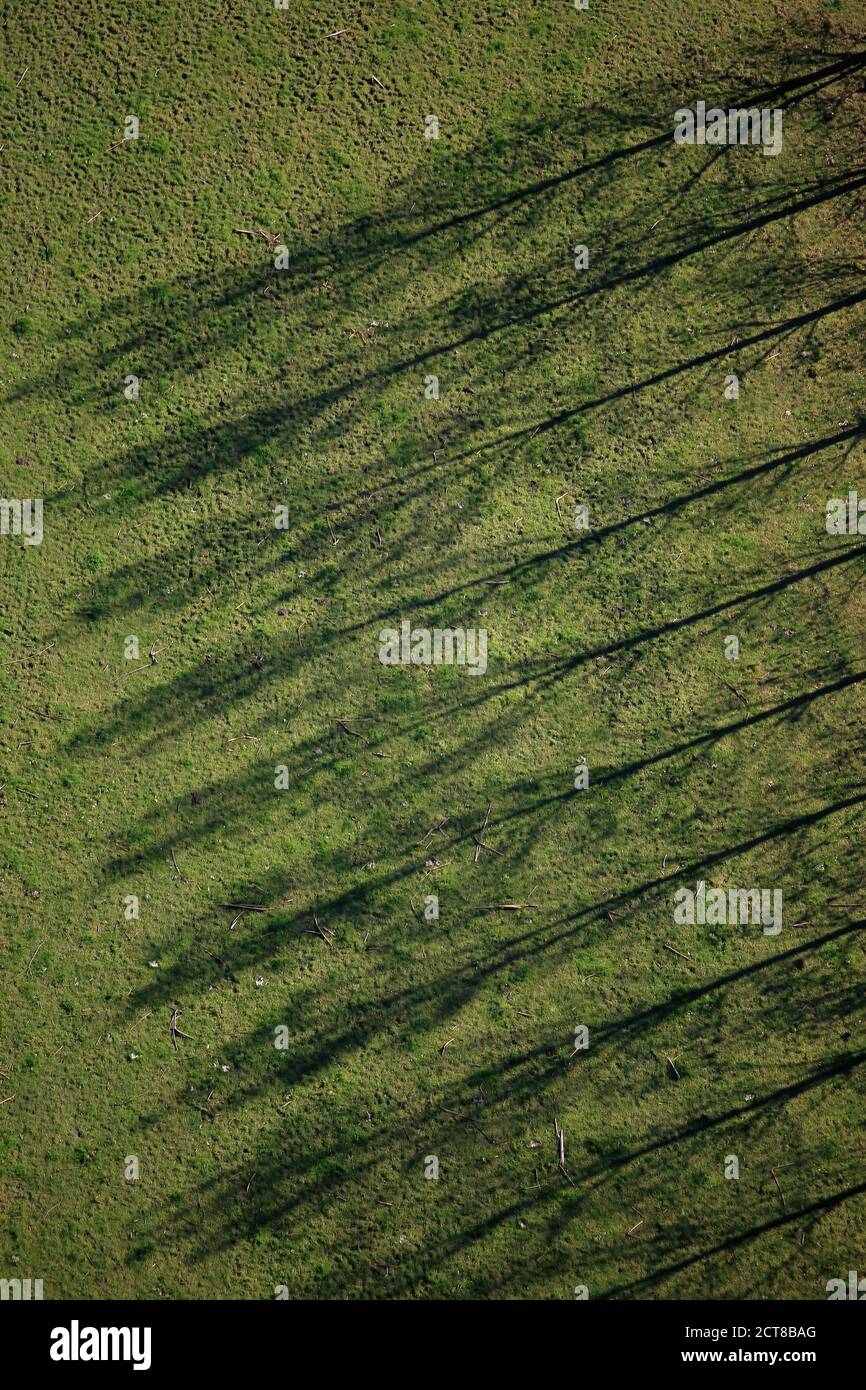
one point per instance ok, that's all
(176, 869)
(560, 1141)
(739, 696)
(175, 1031)
(325, 933)
(685, 954)
(479, 838)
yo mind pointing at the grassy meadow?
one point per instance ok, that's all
(165, 386)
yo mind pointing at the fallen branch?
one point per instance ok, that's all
(778, 1184)
(269, 237)
(685, 954)
(354, 732)
(33, 957)
(560, 1137)
(247, 907)
(483, 1131)
(740, 697)
(434, 830)
(479, 838)
(175, 1031)
(176, 868)
(324, 932)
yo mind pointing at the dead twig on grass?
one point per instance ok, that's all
(685, 954)
(240, 908)
(434, 830)
(773, 1172)
(483, 1131)
(154, 652)
(269, 237)
(247, 907)
(479, 838)
(354, 732)
(177, 869)
(560, 1143)
(176, 1031)
(739, 696)
(325, 933)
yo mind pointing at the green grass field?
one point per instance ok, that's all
(308, 386)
